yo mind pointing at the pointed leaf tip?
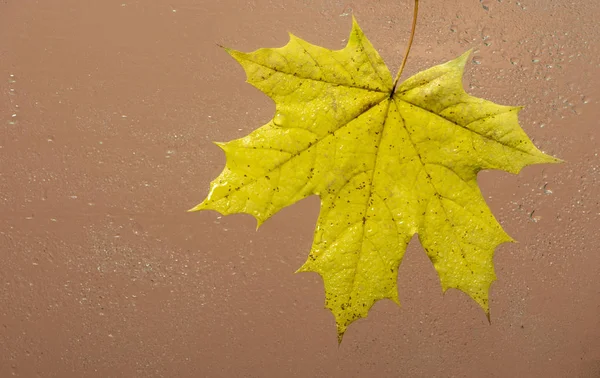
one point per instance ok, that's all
(194, 209)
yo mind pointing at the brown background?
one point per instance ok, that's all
(107, 111)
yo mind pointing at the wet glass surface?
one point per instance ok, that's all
(107, 117)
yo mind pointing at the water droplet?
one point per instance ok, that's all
(546, 190)
(279, 119)
(137, 228)
(13, 119)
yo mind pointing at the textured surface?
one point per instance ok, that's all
(385, 166)
(104, 274)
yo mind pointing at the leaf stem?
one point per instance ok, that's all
(410, 41)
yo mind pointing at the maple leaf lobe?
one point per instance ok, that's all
(386, 166)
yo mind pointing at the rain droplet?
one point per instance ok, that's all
(279, 119)
(13, 119)
(137, 228)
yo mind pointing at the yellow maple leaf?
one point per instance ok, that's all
(387, 162)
